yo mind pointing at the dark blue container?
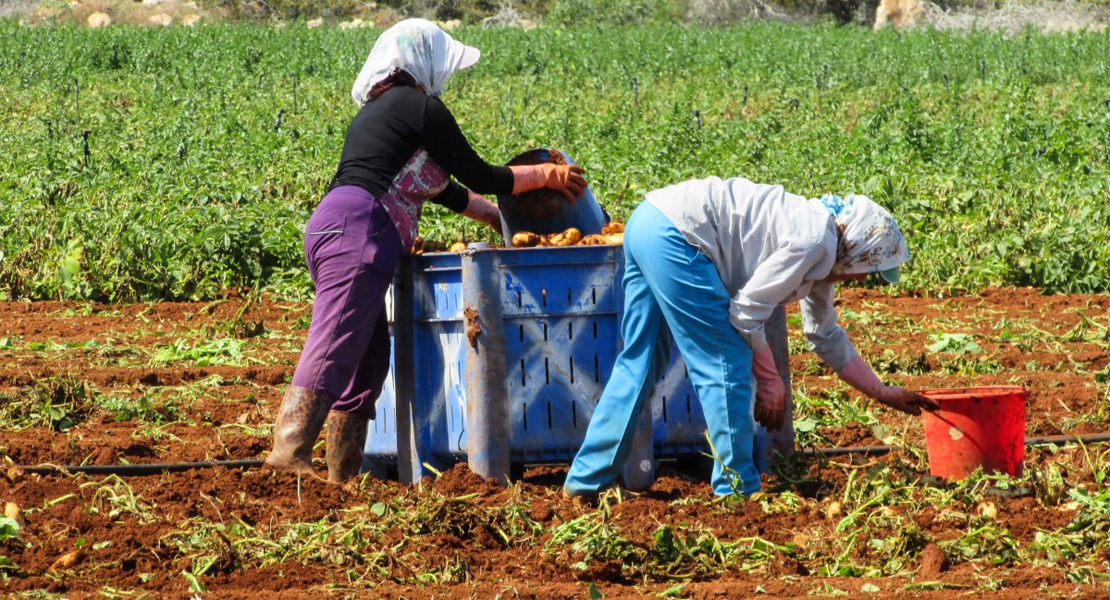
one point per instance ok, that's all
(547, 211)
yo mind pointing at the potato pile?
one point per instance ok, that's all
(612, 234)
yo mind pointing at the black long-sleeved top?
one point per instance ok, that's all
(388, 130)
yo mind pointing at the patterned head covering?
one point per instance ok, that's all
(869, 238)
(419, 48)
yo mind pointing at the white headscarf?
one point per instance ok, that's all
(870, 241)
(421, 49)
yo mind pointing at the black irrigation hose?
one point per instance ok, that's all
(142, 468)
(156, 468)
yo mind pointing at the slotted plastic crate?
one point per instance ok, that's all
(560, 309)
(439, 395)
(678, 424)
(380, 451)
(418, 433)
(557, 313)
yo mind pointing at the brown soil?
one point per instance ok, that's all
(140, 534)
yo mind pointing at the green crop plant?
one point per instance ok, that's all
(226, 351)
(152, 164)
(954, 343)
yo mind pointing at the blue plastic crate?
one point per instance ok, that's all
(560, 311)
(561, 314)
(439, 395)
(437, 402)
(380, 451)
(678, 424)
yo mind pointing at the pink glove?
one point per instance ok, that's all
(770, 394)
(859, 375)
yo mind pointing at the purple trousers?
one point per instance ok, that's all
(352, 249)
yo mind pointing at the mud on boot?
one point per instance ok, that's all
(346, 441)
(299, 421)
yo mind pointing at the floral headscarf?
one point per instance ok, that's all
(419, 48)
(870, 241)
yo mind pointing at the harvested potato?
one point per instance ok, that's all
(457, 247)
(525, 239)
(612, 227)
(569, 237)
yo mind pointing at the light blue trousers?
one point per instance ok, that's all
(672, 288)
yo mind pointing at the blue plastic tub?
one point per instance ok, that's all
(547, 211)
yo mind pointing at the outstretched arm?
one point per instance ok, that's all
(858, 374)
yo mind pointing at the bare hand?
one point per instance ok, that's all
(770, 403)
(906, 401)
(482, 210)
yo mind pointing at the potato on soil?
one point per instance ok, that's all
(13, 512)
(988, 510)
(67, 561)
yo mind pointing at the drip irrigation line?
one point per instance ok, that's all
(142, 468)
(157, 468)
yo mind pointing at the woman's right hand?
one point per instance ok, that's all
(907, 401)
(567, 179)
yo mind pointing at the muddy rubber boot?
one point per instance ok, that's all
(299, 421)
(346, 441)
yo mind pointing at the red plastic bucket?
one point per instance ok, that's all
(976, 427)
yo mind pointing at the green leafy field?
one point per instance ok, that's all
(207, 148)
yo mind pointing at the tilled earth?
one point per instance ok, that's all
(160, 383)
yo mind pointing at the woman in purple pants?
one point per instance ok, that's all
(402, 149)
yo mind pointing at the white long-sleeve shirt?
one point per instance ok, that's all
(770, 248)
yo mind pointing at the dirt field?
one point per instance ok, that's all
(154, 383)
